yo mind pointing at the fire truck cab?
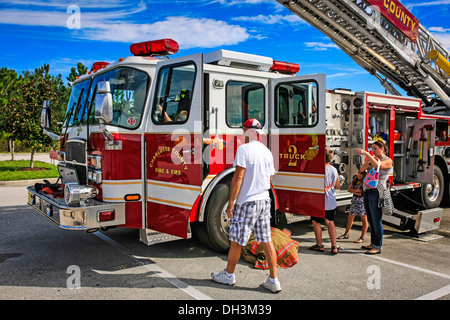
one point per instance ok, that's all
(149, 142)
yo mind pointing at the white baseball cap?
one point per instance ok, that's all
(253, 124)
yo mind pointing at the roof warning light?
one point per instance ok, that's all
(285, 67)
(155, 47)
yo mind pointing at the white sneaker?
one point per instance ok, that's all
(221, 277)
(274, 287)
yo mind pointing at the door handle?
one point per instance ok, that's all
(189, 151)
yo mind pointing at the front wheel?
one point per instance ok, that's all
(213, 231)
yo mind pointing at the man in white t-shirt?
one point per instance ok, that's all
(249, 204)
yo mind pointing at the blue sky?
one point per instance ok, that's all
(34, 32)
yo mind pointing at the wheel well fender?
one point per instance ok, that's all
(221, 177)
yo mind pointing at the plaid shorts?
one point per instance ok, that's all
(252, 216)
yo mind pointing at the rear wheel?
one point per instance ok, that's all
(431, 194)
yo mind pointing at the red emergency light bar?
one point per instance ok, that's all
(285, 67)
(99, 65)
(157, 47)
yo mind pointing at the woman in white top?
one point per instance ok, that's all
(372, 196)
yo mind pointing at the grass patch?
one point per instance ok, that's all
(20, 170)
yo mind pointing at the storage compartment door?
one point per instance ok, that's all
(420, 150)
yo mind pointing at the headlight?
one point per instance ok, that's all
(95, 176)
(95, 161)
(74, 194)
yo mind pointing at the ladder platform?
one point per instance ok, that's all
(425, 220)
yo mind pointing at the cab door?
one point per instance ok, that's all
(297, 141)
(173, 144)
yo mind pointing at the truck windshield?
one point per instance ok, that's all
(128, 89)
(77, 103)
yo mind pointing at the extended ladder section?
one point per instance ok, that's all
(389, 42)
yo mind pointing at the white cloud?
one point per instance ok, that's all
(244, 2)
(438, 29)
(272, 19)
(410, 6)
(320, 46)
(442, 35)
(188, 32)
(444, 39)
(33, 18)
(58, 15)
(340, 74)
(63, 65)
(81, 3)
(105, 26)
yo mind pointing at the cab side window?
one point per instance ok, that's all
(244, 100)
(296, 104)
(173, 99)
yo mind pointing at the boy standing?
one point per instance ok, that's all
(331, 184)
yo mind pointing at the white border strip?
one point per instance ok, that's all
(434, 273)
(115, 190)
(172, 194)
(435, 294)
(305, 182)
(156, 269)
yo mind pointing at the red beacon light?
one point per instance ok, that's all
(155, 47)
(285, 67)
(99, 65)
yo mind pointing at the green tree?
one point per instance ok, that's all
(23, 118)
(76, 72)
(9, 82)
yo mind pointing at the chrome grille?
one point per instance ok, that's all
(76, 151)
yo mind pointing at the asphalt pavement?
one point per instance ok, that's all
(40, 261)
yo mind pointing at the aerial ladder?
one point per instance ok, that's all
(385, 39)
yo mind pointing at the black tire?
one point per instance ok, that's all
(431, 194)
(212, 231)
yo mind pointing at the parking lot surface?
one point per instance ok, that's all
(40, 261)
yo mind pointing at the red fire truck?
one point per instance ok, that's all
(149, 142)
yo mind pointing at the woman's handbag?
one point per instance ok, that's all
(387, 205)
(371, 179)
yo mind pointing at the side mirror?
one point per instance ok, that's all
(46, 120)
(45, 115)
(103, 103)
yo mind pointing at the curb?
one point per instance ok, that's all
(25, 183)
(441, 232)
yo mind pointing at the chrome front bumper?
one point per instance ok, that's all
(75, 218)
